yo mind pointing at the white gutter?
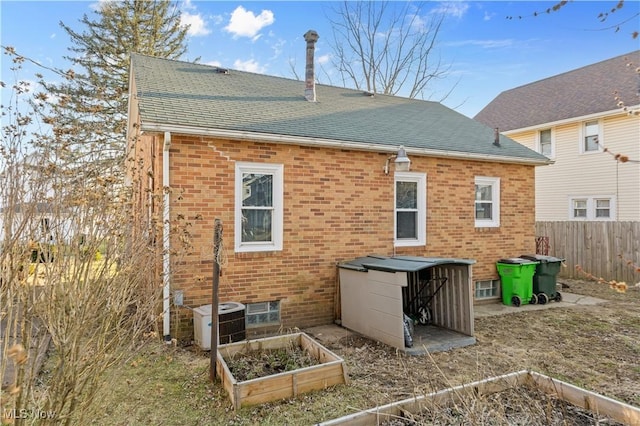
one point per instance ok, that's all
(166, 256)
(571, 120)
(332, 143)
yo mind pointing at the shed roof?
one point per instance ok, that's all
(584, 91)
(174, 95)
(400, 263)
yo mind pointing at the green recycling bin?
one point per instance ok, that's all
(544, 281)
(516, 280)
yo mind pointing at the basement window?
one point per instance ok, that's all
(263, 313)
(487, 289)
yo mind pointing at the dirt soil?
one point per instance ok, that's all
(254, 364)
(594, 347)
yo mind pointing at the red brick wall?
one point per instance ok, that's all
(338, 205)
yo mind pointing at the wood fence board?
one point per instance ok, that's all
(601, 248)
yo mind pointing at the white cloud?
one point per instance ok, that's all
(485, 44)
(197, 25)
(244, 23)
(456, 9)
(249, 65)
(323, 59)
(488, 16)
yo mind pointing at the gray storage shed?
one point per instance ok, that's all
(376, 292)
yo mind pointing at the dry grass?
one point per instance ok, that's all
(513, 406)
(595, 347)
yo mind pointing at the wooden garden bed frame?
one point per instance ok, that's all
(596, 403)
(329, 371)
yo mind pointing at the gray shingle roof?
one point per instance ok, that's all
(584, 91)
(174, 93)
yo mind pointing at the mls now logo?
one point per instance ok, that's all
(25, 413)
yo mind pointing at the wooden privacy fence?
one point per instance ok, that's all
(603, 249)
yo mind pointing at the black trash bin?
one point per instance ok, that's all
(545, 278)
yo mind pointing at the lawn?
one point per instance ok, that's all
(594, 347)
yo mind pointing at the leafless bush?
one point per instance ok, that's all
(75, 272)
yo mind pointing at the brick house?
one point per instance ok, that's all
(304, 176)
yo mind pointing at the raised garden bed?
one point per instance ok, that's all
(525, 397)
(329, 369)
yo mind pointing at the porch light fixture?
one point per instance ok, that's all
(402, 162)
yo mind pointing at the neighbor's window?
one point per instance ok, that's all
(591, 138)
(259, 207)
(410, 208)
(603, 208)
(263, 313)
(545, 145)
(487, 202)
(592, 208)
(579, 208)
(487, 288)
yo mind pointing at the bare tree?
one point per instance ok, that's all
(75, 277)
(604, 16)
(387, 47)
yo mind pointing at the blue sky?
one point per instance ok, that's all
(487, 53)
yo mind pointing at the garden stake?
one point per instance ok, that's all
(217, 246)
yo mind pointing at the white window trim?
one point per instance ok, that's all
(553, 142)
(591, 208)
(494, 182)
(277, 170)
(421, 181)
(583, 134)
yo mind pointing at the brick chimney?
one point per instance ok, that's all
(310, 78)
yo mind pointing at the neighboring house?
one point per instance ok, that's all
(305, 176)
(27, 215)
(573, 118)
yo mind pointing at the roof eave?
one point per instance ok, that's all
(602, 114)
(333, 143)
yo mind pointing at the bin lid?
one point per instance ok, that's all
(517, 261)
(400, 263)
(541, 258)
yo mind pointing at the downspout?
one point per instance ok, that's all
(166, 238)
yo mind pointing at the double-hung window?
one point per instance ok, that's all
(487, 202)
(579, 208)
(545, 143)
(602, 208)
(592, 208)
(591, 137)
(410, 209)
(259, 207)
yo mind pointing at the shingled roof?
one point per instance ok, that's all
(584, 91)
(200, 99)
